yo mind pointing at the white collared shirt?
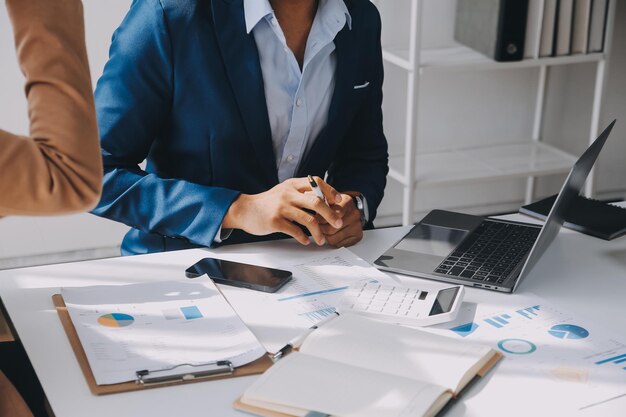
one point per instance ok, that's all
(297, 100)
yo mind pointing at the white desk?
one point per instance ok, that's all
(563, 276)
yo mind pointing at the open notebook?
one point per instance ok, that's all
(355, 366)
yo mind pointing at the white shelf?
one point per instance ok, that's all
(455, 166)
(459, 57)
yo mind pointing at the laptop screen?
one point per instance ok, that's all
(570, 190)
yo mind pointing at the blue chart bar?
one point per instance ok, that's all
(315, 316)
(498, 321)
(465, 329)
(528, 312)
(308, 294)
(494, 323)
(191, 312)
(614, 359)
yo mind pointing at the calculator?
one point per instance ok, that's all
(408, 305)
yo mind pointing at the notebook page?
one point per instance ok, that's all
(300, 383)
(397, 350)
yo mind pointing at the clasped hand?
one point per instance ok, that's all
(280, 208)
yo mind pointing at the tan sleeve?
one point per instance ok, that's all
(58, 169)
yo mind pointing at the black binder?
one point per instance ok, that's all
(591, 217)
(496, 28)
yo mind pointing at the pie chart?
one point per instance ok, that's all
(116, 320)
(568, 331)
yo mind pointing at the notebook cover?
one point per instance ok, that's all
(591, 217)
(257, 367)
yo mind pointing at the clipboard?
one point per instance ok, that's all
(223, 370)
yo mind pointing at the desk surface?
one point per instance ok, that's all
(563, 276)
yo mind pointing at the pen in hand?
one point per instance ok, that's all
(316, 189)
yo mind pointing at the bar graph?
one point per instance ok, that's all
(317, 315)
(529, 312)
(498, 321)
(615, 359)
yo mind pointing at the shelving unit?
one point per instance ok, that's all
(528, 159)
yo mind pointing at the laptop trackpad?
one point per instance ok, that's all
(432, 240)
(423, 248)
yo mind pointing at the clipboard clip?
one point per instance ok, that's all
(147, 377)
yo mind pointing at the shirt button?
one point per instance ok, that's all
(299, 102)
(290, 158)
(274, 22)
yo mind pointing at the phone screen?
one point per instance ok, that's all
(240, 275)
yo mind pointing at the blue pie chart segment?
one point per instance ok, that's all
(568, 331)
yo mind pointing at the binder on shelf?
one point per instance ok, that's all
(597, 27)
(588, 216)
(580, 28)
(563, 32)
(548, 25)
(533, 29)
(147, 379)
(498, 32)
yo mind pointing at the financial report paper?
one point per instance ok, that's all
(157, 326)
(316, 289)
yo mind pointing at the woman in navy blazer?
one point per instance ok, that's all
(183, 90)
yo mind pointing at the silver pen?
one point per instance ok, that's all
(297, 341)
(316, 189)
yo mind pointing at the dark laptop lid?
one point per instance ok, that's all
(570, 190)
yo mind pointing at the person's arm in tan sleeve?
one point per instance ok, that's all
(57, 169)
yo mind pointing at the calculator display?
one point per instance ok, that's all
(444, 301)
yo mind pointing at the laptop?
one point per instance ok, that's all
(480, 252)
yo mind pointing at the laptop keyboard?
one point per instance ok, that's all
(490, 252)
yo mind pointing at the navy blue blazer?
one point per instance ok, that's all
(183, 89)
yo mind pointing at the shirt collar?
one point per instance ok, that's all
(255, 10)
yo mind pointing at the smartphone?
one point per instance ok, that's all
(254, 277)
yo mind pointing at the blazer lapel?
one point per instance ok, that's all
(241, 59)
(327, 142)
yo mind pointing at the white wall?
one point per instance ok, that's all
(470, 107)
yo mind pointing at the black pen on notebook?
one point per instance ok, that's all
(297, 341)
(316, 189)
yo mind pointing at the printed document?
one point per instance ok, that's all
(167, 327)
(549, 353)
(316, 289)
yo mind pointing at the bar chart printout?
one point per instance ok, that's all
(553, 351)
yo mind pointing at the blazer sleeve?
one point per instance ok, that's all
(57, 169)
(362, 159)
(133, 100)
